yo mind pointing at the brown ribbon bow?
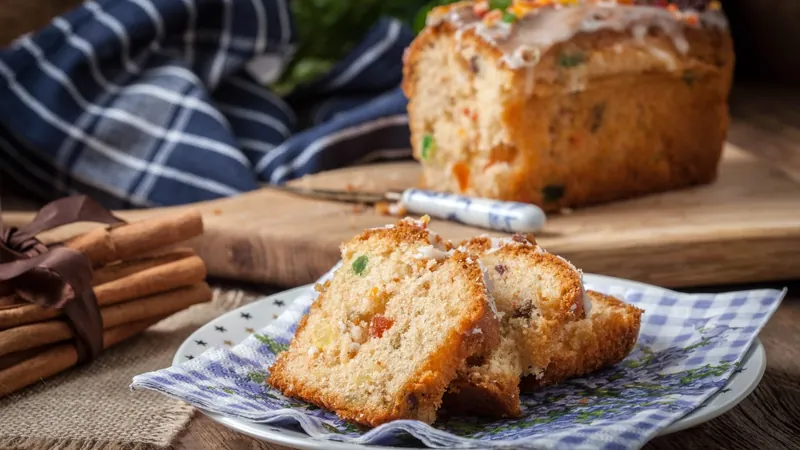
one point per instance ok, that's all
(56, 276)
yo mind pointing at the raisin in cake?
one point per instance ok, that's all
(537, 293)
(604, 338)
(569, 103)
(387, 334)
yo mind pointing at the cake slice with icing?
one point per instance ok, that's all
(387, 334)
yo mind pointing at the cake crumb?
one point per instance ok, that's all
(391, 209)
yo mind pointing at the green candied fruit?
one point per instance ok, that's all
(428, 147)
(509, 17)
(360, 264)
(570, 60)
(499, 4)
(553, 193)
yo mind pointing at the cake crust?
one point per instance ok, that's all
(603, 339)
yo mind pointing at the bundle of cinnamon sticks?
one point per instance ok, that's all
(139, 278)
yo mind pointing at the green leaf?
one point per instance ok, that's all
(360, 264)
(553, 193)
(327, 30)
(499, 4)
(273, 345)
(509, 17)
(422, 16)
(428, 146)
(570, 60)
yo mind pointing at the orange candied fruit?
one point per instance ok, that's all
(373, 293)
(461, 172)
(425, 219)
(480, 8)
(492, 17)
(379, 325)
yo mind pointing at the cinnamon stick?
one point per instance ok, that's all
(105, 245)
(63, 356)
(17, 357)
(146, 282)
(122, 269)
(163, 304)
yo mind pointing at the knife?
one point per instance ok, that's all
(509, 217)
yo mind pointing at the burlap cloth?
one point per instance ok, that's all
(92, 407)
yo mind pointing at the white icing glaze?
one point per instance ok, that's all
(542, 28)
(498, 243)
(430, 252)
(587, 302)
(664, 56)
(477, 330)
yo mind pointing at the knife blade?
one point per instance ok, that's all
(497, 215)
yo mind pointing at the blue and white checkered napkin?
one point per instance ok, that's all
(688, 348)
(151, 103)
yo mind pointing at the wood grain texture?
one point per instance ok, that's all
(767, 419)
(743, 228)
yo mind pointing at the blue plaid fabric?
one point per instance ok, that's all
(143, 103)
(688, 348)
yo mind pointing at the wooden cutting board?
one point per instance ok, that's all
(743, 228)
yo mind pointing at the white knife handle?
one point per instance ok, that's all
(510, 217)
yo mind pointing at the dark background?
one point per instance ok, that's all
(766, 33)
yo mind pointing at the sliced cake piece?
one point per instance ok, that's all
(537, 293)
(387, 334)
(603, 339)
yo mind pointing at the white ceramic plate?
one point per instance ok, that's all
(235, 326)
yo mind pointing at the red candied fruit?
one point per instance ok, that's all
(379, 325)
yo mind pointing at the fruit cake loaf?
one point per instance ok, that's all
(537, 293)
(569, 103)
(603, 339)
(387, 334)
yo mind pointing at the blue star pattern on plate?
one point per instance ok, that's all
(201, 342)
(277, 302)
(220, 329)
(245, 316)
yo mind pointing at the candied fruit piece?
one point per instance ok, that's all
(379, 325)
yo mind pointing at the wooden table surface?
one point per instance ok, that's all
(767, 124)
(768, 419)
